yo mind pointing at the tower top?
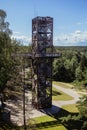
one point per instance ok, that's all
(40, 18)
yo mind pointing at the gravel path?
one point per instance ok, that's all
(68, 91)
(17, 112)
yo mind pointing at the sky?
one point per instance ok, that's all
(70, 19)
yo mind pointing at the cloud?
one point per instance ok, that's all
(71, 39)
(77, 32)
(16, 32)
(22, 38)
(79, 23)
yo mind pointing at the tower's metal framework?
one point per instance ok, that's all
(42, 55)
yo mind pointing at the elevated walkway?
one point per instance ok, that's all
(31, 56)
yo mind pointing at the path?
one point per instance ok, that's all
(17, 112)
(68, 91)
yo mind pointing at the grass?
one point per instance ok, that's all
(9, 126)
(41, 123)
(48, 123)
(53, 122)
(71, 108)
(82, 93)
(59, 95)
(65, 85)
(78, 86)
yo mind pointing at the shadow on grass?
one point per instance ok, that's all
(8, 126)
(66, 119)
(55, 93)
(62, 117)
(5, 121)
(55, 112)
(48, 124)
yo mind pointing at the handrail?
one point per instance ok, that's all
(37, 55)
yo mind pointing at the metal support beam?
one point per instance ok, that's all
(42, 53)
(42, 57)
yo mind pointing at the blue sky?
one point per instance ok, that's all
(70, 19)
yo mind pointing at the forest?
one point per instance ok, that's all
(70, 67)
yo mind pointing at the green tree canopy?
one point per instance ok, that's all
(82, 106)
(6, 49)
(4, 26)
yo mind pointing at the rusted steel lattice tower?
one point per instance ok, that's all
(42, 56)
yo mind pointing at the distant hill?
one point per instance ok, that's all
(77, 48)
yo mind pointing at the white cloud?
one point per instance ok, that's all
(71, 39)
(16, 32)
(77, 32)
(79, 23)
(24, 39)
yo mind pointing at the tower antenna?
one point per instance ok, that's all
(35, 10)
